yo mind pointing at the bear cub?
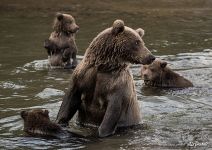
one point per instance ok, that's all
(158, 74)
(61, 46)
(38, 123)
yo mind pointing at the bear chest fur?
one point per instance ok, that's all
(95, 98)
(62, 40)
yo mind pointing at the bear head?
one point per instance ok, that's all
(34, 119)
(119, 45)
(154, 71)
(65, 23)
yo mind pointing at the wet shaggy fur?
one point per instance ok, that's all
(102, 88)
(61, 46)
(37, 122)
(158, 74)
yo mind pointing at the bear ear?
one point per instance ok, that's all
(59, 16)
(118, 27)
(163, 64)
(24, 114)
(46, 112)
(140, 32)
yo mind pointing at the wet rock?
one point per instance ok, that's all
(49, 92)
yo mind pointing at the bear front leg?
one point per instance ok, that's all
(67, 58)
(49, 46)
(112, 116)
(71, 103)
(74, 57)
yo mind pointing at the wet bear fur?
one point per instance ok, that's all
(158, 74)
(61, 46)
(38, 123)
(102, 89)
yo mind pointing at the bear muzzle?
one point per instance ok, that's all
(145, 77)
(148, 59)
(76, 29)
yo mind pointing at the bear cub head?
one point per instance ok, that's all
(37, 122)
(65, 23)
(158, 74)
(153, 71)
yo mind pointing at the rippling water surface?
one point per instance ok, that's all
(178, 32)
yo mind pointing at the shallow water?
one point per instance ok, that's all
(178, 32)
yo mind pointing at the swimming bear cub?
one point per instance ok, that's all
(38, 123)
(158, 74)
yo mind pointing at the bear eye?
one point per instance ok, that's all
(144, 67)
(137, 42)
(69, 22)
(152, 69)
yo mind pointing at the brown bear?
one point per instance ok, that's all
(158, 74)
(38, 123)
(61, 46)
(102, 88)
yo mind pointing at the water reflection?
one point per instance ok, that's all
(176, 31)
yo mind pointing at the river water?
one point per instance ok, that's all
(176, 31)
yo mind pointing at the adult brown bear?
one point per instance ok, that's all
(102, 88)
(61, 46)
(158, 74)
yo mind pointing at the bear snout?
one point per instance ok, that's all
(76, 28)
(148, 59)
(145, 77)
(144, 74)
(151, 58)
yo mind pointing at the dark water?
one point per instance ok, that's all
(179, 32)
